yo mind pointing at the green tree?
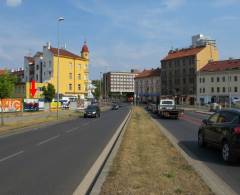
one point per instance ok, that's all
(96, 92)
(49, 92)
(7, 85)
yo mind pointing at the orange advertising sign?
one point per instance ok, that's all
(11, 105)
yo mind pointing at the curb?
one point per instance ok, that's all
(216, 184)
(203, 112)
(91, 177)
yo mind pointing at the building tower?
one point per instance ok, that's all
(85, 51)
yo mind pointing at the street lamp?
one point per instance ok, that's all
(100, 87)
(58, 35)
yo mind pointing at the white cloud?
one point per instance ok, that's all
(13, 3)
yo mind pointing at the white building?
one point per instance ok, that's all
(219, 82)
(148, 85)
(118, 83)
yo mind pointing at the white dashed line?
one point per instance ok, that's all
(85, 124)
(71, 130)
(11, 156)
(47, 140)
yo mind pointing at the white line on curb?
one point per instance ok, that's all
(217, 185)
(11, 156)
(47, 140)
(89, 178)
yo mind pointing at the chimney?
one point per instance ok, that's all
(48, 45)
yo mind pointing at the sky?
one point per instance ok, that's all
(121, 34)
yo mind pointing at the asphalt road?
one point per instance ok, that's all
(54, 159)
(185, 131)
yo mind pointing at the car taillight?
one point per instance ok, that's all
(237, 130)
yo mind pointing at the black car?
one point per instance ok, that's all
(92, 111)
(115, 107)
(222, 129)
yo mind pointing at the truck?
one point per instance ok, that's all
(167, 109)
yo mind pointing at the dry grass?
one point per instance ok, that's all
(147, 163)
(16, 126)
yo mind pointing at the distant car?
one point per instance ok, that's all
(115, 107)
(92, 111)
(222, 129)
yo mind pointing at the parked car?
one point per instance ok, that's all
(115, 107)
(92, 111)
(222, 129)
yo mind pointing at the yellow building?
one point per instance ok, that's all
(73, 70)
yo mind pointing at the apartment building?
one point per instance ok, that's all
(179, 70)
(219, 82)
(73, 70)
(148, 85)
(118, 83)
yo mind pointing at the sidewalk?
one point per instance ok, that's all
(147, 163)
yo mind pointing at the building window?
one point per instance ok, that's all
(218, 79)
(79, 67)
(70, 87)
(70, 66)
(79, 87)
(79, 76)
(200, 90)
(218, 89)
(37, 77)
(200, 80)
(70, 75)
(235, 78)
(212, 79)
(212, 90)
(50, 73)
(235, 89)
(223, 79)
(229, 89)
(203, 80)
(203, 90)
(223, 89)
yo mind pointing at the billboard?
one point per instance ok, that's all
(11, 105)
(31, 105)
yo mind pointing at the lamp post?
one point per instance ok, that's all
(100, 87)
(58, 35)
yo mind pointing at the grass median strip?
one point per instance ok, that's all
(147, 163)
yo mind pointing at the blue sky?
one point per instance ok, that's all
(121, 34)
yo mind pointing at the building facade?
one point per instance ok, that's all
(148, 85)
(118, 83)
(219, 82)
(179, 71)
(73, 70)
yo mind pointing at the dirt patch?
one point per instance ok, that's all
(147, 163)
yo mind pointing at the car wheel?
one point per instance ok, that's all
(226, 152)
(201, 141)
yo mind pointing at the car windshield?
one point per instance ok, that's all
(90, 108)
(167, 102)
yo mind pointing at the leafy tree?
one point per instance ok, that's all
(7, 85)
(96, 92)
(49, 92)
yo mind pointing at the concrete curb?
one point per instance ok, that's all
(104, 173)
(90, 178)
(204, 112)
(216, 184)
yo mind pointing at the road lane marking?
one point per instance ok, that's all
(85, 124)
(192, 120)
(47, 140)
(11, 156)
(71, 130)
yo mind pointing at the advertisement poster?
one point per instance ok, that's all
(11, 105)
(31, 105)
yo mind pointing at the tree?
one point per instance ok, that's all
(96, 92)
(7, 85)
(49, 92)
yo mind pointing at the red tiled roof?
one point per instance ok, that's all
(222, 65)
(64, 53)
(2, 72)
(30, 59)
(183, 53)
(149, 73)
(85, 47)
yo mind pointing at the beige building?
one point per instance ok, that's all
(179, 69)
(148, 85)
(219, 82)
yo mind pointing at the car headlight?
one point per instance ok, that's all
(94, 112)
